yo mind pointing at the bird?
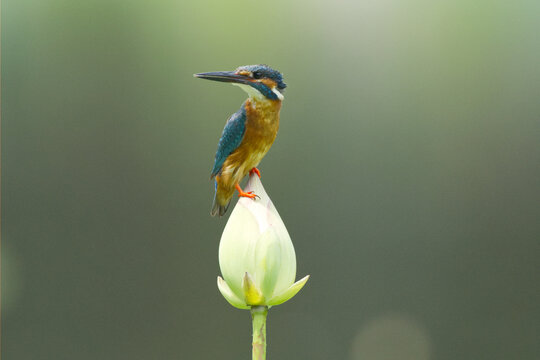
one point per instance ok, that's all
(249, 133)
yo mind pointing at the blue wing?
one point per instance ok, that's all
(232, 136)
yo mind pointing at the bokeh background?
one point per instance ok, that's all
(406, 169)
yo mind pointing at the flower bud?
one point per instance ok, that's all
(256, 254)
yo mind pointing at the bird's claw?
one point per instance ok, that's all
(255, 171)
(248, 194)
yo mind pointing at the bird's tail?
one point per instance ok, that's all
(219, 207)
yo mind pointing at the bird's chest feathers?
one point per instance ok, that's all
(262, 124)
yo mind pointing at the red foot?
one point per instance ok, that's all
(256, 171)
(242, 193)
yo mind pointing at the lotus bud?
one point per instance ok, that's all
(256, 254)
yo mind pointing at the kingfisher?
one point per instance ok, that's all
(249, 133)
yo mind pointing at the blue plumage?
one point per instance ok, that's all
(231, 137)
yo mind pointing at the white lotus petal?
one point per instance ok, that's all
(289, 293)
(229, 295)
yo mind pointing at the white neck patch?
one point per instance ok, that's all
(254, 93)
(278, 94)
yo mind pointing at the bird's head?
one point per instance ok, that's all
(259, 81)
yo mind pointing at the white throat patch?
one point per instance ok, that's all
(254, 93)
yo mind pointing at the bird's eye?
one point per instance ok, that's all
(256, 75)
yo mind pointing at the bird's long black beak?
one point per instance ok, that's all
(225, 76)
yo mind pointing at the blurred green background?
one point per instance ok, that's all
(406, 169)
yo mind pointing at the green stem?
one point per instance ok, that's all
(258, 316)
